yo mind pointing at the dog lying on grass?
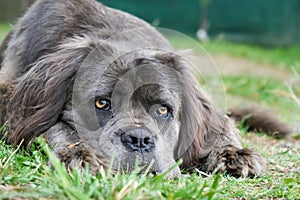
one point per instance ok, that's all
(103, 85)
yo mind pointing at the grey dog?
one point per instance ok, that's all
(103, 86)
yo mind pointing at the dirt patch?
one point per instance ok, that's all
(228, 65)
(236, 66)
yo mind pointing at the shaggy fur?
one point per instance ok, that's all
(260, 119)
(64, 55)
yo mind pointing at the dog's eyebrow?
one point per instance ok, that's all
(104, 92)
(162, 97)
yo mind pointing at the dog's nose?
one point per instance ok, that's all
(138, 140)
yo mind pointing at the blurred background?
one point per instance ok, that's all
(10, 10)
(262, 22)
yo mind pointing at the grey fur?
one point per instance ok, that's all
(260, 119)
(63, 53)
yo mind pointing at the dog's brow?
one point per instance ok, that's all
(105, 92)
(161, 97)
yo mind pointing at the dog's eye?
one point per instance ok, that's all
(103, 104)
(163, 111)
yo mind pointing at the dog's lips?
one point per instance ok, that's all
(144, 163)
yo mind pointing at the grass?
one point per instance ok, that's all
(26, 175)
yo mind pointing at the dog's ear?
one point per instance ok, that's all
(196, 111)
(196, 114)
(41, 92)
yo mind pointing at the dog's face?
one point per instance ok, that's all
(133, 107)
(129, 109)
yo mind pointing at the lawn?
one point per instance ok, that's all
(25, 174)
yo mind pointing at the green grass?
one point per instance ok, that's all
(25, 174)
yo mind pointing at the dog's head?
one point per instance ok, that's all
(134, 107)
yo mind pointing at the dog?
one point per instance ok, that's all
(105, 88)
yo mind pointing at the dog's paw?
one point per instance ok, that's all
(79, 156)
(236, 162)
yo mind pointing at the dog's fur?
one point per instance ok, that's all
(260, 119)
(63, 55)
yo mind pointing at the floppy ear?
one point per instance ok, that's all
(196, 115)
(41, 92)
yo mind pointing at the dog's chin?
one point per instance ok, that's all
(145, 164)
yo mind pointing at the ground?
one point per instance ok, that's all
(234, 74)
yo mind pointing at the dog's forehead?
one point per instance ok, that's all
(141, 72)
(123, 73)
(135, 67)
(147, 81)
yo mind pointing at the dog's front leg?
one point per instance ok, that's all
(227, 155)
(235, 161)
(68, 147)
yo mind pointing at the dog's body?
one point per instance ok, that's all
(101, 84)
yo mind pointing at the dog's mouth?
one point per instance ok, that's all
(144, 163)
(135, 162)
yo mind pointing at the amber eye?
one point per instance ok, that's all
(163, 111)
(102, 104)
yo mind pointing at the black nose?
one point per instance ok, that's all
(138, 140)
